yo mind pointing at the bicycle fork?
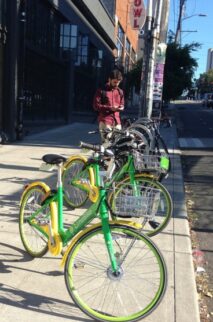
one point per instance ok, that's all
(107, 233)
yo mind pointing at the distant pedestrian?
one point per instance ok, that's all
(109, 102)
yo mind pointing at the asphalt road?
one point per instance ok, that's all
(195, 125)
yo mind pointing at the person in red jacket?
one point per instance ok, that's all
(109, 102)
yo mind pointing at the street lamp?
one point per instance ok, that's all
(188, 17)
(179, 26)
(196, 14)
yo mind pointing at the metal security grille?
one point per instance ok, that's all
(3, 37)
(44, 70)
(45, 90)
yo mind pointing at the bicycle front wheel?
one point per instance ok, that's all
(128, 296)
(32, 222)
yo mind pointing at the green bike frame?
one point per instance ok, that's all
(98, 208)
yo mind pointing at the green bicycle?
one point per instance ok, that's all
(112, 271)
(125, 177)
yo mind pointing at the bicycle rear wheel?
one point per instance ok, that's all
(133, 293)
(31, 226)
(74, 196)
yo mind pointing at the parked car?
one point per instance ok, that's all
(208, 100)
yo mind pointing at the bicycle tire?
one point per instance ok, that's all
(139, 136)
(73, 196)
(145, 132)
(130, 296)
(32, 233)
(163, 212)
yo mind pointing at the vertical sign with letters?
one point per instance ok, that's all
(137, 14)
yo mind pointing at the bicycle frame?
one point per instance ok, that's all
(98, 208)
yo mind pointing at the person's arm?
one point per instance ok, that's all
(122, 102)
(97, 104)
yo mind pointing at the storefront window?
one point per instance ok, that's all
(120, 34)
(82, 52)
(128, 46)
(68, 36)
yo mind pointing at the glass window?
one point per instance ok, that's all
(126, 65)
(66, 30)
(82, 52)
(120, 50)
(128, 46)
(120, 34)
(68, 36)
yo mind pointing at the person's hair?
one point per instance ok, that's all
(116, 74)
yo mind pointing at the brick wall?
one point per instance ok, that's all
(122, 12)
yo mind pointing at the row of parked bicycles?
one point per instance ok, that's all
(113, 270)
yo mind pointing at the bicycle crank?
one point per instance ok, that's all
(55, 244)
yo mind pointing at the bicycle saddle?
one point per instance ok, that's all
(53, 158)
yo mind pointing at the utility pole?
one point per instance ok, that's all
(155, 41)
(178, 30)
(146, 54)
(155, 31)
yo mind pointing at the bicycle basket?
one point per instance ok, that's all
(135, 201)
(150, 162)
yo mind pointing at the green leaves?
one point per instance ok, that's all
(205, 82)
(179, 69)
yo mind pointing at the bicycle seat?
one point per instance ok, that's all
(53, 158)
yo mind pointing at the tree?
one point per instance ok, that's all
(179, 69)
(178, 72)
(133, 78)
(205, 82)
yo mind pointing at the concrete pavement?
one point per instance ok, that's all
(34, 290)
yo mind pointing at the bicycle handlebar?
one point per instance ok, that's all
(97, 148)
(94, 147)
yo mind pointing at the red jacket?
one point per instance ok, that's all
(112, 97)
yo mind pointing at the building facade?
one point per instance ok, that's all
(209, 60)
(53, 56)
(126, 37)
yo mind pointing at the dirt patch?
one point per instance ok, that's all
(205, 294)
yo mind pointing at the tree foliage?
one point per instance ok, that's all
(133, 78)
(178, 72)
(205, 82)
(179, 69)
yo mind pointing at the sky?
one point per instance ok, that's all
(203, 25)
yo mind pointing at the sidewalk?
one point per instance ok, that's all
(34, 290)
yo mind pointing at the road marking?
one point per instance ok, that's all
(198, 143)
(183, 142)
(191, 143)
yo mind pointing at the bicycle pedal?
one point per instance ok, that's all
(154, 224)
(43, 222)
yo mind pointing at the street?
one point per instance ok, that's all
(195, 132)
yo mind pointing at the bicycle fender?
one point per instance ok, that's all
(34, 184)
(131, 224)
(84, 159)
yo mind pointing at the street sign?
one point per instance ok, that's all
(137, 14)
(159, 72)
